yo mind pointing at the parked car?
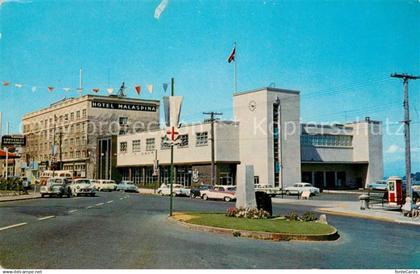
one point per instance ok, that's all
(298, 188)
(127, 186)
(177, 190)
(82, 187)
(378, 185)
(227, 193)
(56, 186)
(104, 185)
(196, 192)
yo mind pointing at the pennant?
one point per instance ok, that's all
(96, 90)
(33, 89)
(232, 55)
(110, 90)
(138, 89)
(66, 89)
(150, 88)
(165, 86)
(6, 84)
(50, 89)
(18, 85)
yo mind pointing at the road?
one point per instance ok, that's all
(117, 230)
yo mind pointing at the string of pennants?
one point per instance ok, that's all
(137, 88)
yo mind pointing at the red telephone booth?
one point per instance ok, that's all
(395, 196)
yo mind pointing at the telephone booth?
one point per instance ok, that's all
(395, 195)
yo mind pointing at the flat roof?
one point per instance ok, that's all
(268, 89)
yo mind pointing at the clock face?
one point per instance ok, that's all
(252, 105)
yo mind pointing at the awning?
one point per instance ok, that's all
(10, 155)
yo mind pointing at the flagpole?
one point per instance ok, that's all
(235, 72)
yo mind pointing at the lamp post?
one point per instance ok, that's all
(171, 170)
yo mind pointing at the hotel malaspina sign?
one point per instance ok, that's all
(13, 140)
(123, 106)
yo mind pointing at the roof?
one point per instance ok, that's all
(268, 89)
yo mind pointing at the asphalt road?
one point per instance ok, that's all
(117, 230)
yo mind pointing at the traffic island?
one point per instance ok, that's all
(275, 229)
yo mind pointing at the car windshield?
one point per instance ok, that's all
(231, 188)
(306, 185)
(109, 182)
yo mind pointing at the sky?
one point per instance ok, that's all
(338, 54)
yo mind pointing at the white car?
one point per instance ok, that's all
(177, 190)
(227, 193)
(298, 188)
(104, 185)
(56, 186)
(127, 186)
(82, 187)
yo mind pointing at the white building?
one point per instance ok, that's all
(267, 134)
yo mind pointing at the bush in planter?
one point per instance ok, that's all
(250, 213)
(231, 212)
(292, 216)
(309, 217)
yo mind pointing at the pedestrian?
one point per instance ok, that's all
(25, 184)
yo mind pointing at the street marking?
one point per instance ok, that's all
(88, 207)
(74, 210)
(46, 218)
(12, 226)
(99, 204)
(110, 201)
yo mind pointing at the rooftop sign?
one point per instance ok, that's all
(123, 106)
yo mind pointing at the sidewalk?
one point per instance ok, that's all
(29, 196)
(352, 209)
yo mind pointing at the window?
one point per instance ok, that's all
(78, 114)
(71, 141)
(123, 121)
(150, 144)
(165, 143)
(183, 140)
(77, 141)
(326, 140)
(123, 147)
(201, 138)
(72, 116)
(77, 153)
(84, 113)
(136, 145)
(66, 118)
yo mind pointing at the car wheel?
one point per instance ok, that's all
(287, 193)
(42, 195)
(192, 195)
(227, 199)
(92, 195)
(205, 197)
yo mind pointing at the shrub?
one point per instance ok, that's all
(231, 212)
(309, 216)
(292, 216)
(236, 233)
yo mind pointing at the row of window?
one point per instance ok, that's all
(65, 155)
(326, 140)
(182, 141)
(68, 117)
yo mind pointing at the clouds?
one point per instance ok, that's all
(2, 2)
(394, 149)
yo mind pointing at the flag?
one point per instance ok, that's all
(18, 85)
(96, 90)
(165, 86)
(160, 8)
(138, 89)
(6, 84)
(232, 55)
(50, 89)
(150, 88)
(110, 90)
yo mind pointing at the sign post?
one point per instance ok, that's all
(172, 107)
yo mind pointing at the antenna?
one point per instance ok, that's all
(80, 89)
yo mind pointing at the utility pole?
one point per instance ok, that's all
(406, 77)
(212, 119)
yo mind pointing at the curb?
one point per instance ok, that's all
(21, 199)
(258, 235)
(362, 216)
